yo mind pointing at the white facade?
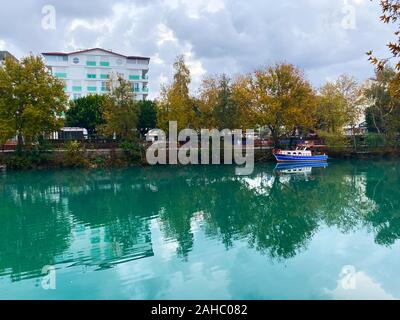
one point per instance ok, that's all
(88, 71)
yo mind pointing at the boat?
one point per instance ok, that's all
(298, 155)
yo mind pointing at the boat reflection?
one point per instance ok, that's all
(299, 167)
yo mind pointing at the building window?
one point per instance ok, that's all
(135, 87)
(57, 58)
(61, 75)
(104, 76)
(91, 89)
(91, 63)
(91, 76)
(77, 88)
(105, 86)
(134, 77)
(104, 63)
(75, 60)
(119, 62)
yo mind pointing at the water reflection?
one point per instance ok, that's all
(104, 218)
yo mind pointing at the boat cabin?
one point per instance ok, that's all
(298, 152)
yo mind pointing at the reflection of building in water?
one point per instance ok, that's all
(262, 183)
(362, 202)
(297, 171)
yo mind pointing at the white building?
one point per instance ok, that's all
(4, 55)
(87, 71)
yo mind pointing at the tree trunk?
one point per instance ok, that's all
(20, 143)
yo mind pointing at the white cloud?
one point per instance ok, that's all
(365, 289)
(216, 36)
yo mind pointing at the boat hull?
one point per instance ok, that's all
(293, 158)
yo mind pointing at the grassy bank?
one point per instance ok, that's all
(77, 157)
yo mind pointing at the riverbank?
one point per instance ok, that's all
(120, 158)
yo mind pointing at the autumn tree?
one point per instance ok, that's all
(175, 103)
(32, 101)
(331, 109)
(283, 100)
(218, 109)
(120, 110)
(390, 15)
(208, 99)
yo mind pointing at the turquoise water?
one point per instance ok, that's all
(202, 233)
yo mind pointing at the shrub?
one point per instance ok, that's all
(133, 150)
(75, 155)
(375, 140)
(335, 141)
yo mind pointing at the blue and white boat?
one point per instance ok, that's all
(299, 155)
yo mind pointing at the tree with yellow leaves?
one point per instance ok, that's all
(175, 103)
(283, 100)
(32, 101)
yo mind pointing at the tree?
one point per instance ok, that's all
(390, 14)
(383, 113)
(208, 97)
(355, 101)
(32, 101)
(176, 103)
(331, 110)
(218, 109)
(147, 114)
(225, 111)
(283, 100)
(120, 110)
(86, 112)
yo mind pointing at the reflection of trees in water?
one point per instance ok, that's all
(277, 216)
(383, 182)
(34, 226)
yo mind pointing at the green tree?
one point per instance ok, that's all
(147, 114)
(225, 111)
(86, 112)
(120, 110)
(32, 101)
(383, 112)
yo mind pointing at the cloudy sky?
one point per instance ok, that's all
(324, 37)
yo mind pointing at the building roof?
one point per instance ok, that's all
(93, 49)
(6, 54)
